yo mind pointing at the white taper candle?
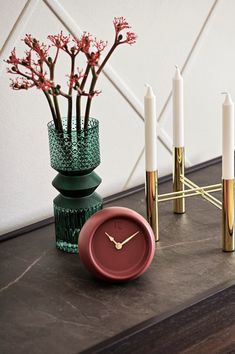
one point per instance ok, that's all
(178, 109)
(150, 130)
(228, 138)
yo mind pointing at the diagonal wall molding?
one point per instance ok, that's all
(18, 27)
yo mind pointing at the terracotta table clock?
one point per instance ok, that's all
(116, 244)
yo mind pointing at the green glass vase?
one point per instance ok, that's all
(74, 155)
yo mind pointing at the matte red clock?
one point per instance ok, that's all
(116, 244)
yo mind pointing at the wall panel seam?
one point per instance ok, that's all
(18, 26)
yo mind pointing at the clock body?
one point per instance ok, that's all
(116, 244)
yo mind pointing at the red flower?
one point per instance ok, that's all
(13, 58)
(43, 84)
(59, 40)
(31, 68)
(130, 38)
(21, 83)
(85, 42)
(74, 79)
(39, 48)
(100, 45)
(120, 24)
(93, 57)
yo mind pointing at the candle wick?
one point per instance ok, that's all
(146, 85)
(176, 66)
(224, 93)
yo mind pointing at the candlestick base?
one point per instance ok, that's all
(152, 201)
(178, 185)
(228, 215)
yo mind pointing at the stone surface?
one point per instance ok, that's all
(207, 327)
(50, 303)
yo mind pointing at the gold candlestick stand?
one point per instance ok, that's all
(178, 185)
(180, 193)
(228, 215)
(152, 201)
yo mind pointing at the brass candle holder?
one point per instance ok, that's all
(228, 215)
(178, 185)
(152, 201)
(183, 188)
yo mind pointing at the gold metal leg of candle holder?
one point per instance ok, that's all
(203, 192)
(194, 191)
(228, 215)
(152, 201)
(178, 185)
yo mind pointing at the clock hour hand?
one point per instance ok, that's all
(118, 245)
(111, 238)
(129, 238)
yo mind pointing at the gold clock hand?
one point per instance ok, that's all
(118, 245)
(129, 238)
(111, 238)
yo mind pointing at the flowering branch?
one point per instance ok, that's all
(31, 69)
(120, 24)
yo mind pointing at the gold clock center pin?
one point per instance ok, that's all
(118, 246)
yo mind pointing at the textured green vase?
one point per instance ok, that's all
(74, 155)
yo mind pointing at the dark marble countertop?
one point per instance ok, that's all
(50, 303)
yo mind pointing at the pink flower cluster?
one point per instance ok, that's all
(31, 70)
(37, 67)
(121, 24)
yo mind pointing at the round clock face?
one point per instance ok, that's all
(116, 244)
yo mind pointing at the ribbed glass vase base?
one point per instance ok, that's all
(68, 223)
(67, 247)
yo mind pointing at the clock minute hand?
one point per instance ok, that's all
(129, 238)
(111, 238)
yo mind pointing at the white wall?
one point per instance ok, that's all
(196, 35)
